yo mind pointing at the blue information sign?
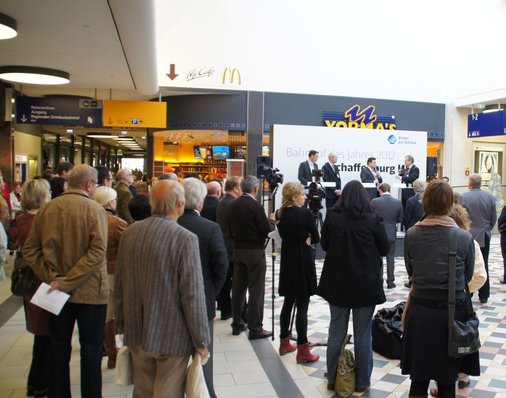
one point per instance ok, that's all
(486, 124)
(60, 111)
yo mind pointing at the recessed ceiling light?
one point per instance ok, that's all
(70, 131)
(8, 27)
(124, 132)
(33, 75)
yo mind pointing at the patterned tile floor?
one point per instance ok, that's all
(387, 380)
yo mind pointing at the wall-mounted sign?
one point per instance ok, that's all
(68, 111)
(135, 114)
(486, 124)
(355, 117)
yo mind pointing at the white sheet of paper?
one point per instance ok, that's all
(52, 302)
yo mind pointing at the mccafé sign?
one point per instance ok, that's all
(355, 117)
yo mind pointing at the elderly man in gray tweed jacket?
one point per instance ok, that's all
(159, 293)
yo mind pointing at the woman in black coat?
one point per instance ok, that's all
(297, 274)
(354, 238)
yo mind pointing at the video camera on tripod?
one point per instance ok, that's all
(314, 197)
(271, 175)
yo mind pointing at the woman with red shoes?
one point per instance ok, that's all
(297, 274)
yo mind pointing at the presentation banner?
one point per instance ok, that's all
(291, 144)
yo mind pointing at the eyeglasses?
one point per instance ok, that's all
(94, 182)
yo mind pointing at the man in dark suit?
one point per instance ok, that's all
(232, 192)
(307, 167)
(390, 209)
(249, 228)
(483, 214)
(212, 200)
(213, 256)
(369, 174)
(331, 174)
(408, 174)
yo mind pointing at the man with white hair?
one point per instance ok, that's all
(159, 296)
(211, 201)
(213, 256)
(67, 249)
(483, 214)
(331, 174)
(249, 228)
(125, 179)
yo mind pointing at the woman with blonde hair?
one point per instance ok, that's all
(297, 273)
(414, 211)
(34, 195)
(107, 197)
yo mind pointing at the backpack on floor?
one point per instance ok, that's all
(386, 331)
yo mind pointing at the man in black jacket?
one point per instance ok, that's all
(249, 228)
(213, 256)
(331, 174)
(232, 192)
(211, 201)
(408, 174)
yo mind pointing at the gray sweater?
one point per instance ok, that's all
(159, 293)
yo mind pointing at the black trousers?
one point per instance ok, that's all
(301, 304)
(38, 377)
(249, 275)
(503, 252)
(484, 291)
(224, 300)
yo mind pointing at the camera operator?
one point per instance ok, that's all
(369, 174)
(331, 174)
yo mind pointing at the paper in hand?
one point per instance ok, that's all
(52, 302)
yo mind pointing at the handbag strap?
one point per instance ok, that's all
(451, 280)
(345, 341)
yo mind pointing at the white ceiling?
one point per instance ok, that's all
(119, 48)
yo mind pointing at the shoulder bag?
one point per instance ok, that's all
(24, 283)
(463, 336)
(345, 377)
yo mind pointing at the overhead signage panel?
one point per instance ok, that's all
(486, 124)
(67, 111)
(140, 114)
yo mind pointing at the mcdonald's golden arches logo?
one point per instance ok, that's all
(231, 73)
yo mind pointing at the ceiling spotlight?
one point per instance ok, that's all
(8, 27)
(33, 75)
(124, 132)
(70, 131)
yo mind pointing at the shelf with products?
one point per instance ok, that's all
(204, 168)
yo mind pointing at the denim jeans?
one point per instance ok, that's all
(362, 341)
(90, 321)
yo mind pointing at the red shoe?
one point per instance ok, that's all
(304, 355)
(285, 347)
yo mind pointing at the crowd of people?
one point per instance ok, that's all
(153, 267)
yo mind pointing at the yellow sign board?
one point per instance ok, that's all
(134, 114)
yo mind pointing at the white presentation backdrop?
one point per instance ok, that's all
(291, 144)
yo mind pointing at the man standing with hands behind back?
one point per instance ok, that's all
(331, 174)
(249, 228)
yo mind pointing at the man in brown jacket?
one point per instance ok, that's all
(67, 249)
(125, 178)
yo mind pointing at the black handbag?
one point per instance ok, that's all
(24, 283)
(463, 336)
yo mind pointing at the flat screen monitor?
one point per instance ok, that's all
(197, 152)
(265, 150)
(221, 152)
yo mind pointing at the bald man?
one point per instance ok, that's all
(211, 201)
